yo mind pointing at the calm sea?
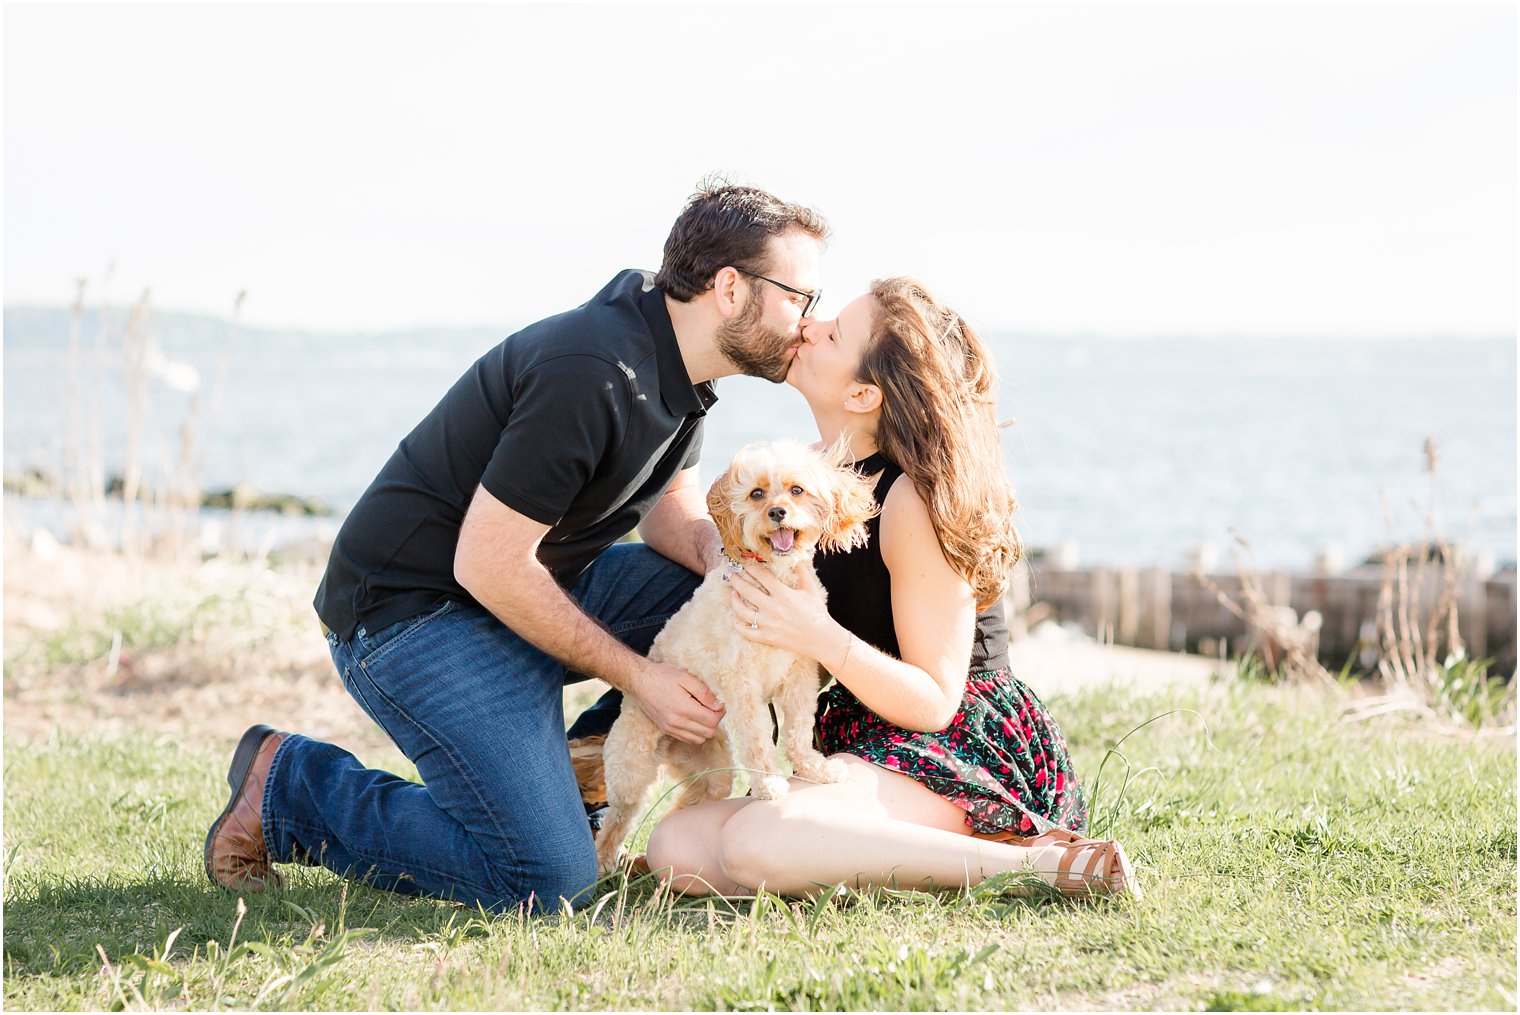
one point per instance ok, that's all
(1131, 451)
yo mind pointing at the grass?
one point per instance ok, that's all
(1291, 861)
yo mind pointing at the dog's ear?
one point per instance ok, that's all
(838, 454)
(720, 504)
(851, 505)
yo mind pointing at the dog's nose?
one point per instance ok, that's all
(777, 513)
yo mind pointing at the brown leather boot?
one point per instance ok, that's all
(236, 857)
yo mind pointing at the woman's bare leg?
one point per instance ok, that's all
(684, 848)
(874, 828)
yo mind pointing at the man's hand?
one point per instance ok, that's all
(677, 702)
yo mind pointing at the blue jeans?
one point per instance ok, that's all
(498, 820)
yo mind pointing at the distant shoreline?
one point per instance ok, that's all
(51, 318)
(35, 484)
(308, 518)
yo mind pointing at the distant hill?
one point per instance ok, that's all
(43, 328)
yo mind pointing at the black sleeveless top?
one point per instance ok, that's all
(860, 588)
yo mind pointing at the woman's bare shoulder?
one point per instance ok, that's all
(905, 518)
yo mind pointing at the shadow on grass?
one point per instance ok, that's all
(53, 927)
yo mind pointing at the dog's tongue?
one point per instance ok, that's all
(781, 540)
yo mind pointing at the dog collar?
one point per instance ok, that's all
(743, 555)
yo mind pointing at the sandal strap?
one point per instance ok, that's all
(1085, 865)
(1095, 874)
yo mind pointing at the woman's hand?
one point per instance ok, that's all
(768, 611)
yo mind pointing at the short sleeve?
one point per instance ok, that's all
(568, 413)
(694, 453)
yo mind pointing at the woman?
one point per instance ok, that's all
(955, 770)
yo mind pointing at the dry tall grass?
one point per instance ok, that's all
(1287, 644)
(1422, 664)
(161, 488)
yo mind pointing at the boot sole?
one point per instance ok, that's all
(237, 774)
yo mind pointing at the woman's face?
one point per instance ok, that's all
(828, 357)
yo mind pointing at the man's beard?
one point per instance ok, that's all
(756, 350)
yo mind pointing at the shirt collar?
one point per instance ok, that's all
(681, 397)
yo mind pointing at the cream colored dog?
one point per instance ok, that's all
(776, 504)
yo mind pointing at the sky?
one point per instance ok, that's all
(1218, 170)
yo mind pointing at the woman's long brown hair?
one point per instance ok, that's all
(939, 424)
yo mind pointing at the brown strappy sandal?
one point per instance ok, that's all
(1090, 867)
(1087, 866)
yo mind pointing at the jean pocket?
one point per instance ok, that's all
(371, 647)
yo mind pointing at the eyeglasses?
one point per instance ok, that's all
(812, 297)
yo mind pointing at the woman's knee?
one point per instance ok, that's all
(668, 847)
(683, 848)
(753, 845)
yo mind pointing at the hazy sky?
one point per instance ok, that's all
(1217, 169)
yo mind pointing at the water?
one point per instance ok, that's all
(1135, 450)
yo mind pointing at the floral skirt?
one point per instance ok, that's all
(1002, 758)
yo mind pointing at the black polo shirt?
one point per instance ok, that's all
(580, 421)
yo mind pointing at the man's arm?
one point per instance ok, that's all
(679, 526)
(497, 562)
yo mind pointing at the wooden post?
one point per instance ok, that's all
(1279, 588)
(1155, 609)
(1472, 604)
(1128, 624)
(1105, 608)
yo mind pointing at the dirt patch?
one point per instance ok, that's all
(101, 644)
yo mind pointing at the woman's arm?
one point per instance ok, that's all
(932, 608)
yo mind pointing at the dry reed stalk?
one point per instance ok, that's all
(72, 477)
(1412, 659)
(1391, 663)
(134, 346)
(1417, 649)
(166, 489)
(90, 492)
(1287, 647)
(196, 472)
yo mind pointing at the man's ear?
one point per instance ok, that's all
(720, 505)
(726, 291)
(862, 398)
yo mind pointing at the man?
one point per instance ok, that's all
(479, 569)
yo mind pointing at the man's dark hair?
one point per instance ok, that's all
(724, 225)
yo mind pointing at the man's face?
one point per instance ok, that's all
(762, 337)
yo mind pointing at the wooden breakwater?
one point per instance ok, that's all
(1173, 610)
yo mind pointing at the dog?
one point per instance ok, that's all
(777, 503)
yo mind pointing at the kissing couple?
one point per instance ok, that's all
(481, 572)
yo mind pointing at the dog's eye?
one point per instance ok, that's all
(796, 491)
(756, 493)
